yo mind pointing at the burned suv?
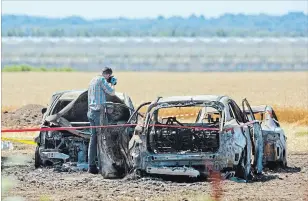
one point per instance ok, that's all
(195, 135)
(69, 109)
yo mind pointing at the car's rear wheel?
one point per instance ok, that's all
(284, 163)
(272, 165)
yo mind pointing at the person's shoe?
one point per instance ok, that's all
(93, 169)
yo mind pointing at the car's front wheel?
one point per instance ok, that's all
(37, 158)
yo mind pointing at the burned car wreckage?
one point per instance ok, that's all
(215, 135)
(69, 109)
(220, 138)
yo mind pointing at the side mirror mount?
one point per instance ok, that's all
(44, 110)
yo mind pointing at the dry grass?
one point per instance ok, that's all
(297, 141)
(288, 114)
(286, 91)
(292, 115)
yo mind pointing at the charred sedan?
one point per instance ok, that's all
(219, 138)
(69, 109)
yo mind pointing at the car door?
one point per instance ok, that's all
(135, 118)
(257, 135)
(136, 128)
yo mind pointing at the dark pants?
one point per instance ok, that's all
(95, 120)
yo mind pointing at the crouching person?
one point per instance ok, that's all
(97, 90)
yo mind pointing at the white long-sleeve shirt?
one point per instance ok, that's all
(96, 92)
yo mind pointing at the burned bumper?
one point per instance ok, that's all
(192, 165)
(184, 171)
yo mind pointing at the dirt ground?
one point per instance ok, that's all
(20, 181)
(26, 183)
(28, 115)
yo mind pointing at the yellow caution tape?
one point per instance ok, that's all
(18, 140)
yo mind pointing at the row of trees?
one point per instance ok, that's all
(84, 32)
(290, 25)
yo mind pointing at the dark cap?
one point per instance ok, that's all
(107, 70)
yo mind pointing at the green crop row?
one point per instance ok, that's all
(25, 68)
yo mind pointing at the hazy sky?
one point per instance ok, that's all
(137, 9)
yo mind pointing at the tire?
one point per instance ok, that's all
(37, 158)
(284, 163)
(141, 173)
(272, 165)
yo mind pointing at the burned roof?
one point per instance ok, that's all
(258, 108)
(69, 91)
(190, 98)
(72, 94)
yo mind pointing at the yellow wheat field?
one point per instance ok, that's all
(286, 91)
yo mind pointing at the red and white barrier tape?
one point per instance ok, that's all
(108, 126)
